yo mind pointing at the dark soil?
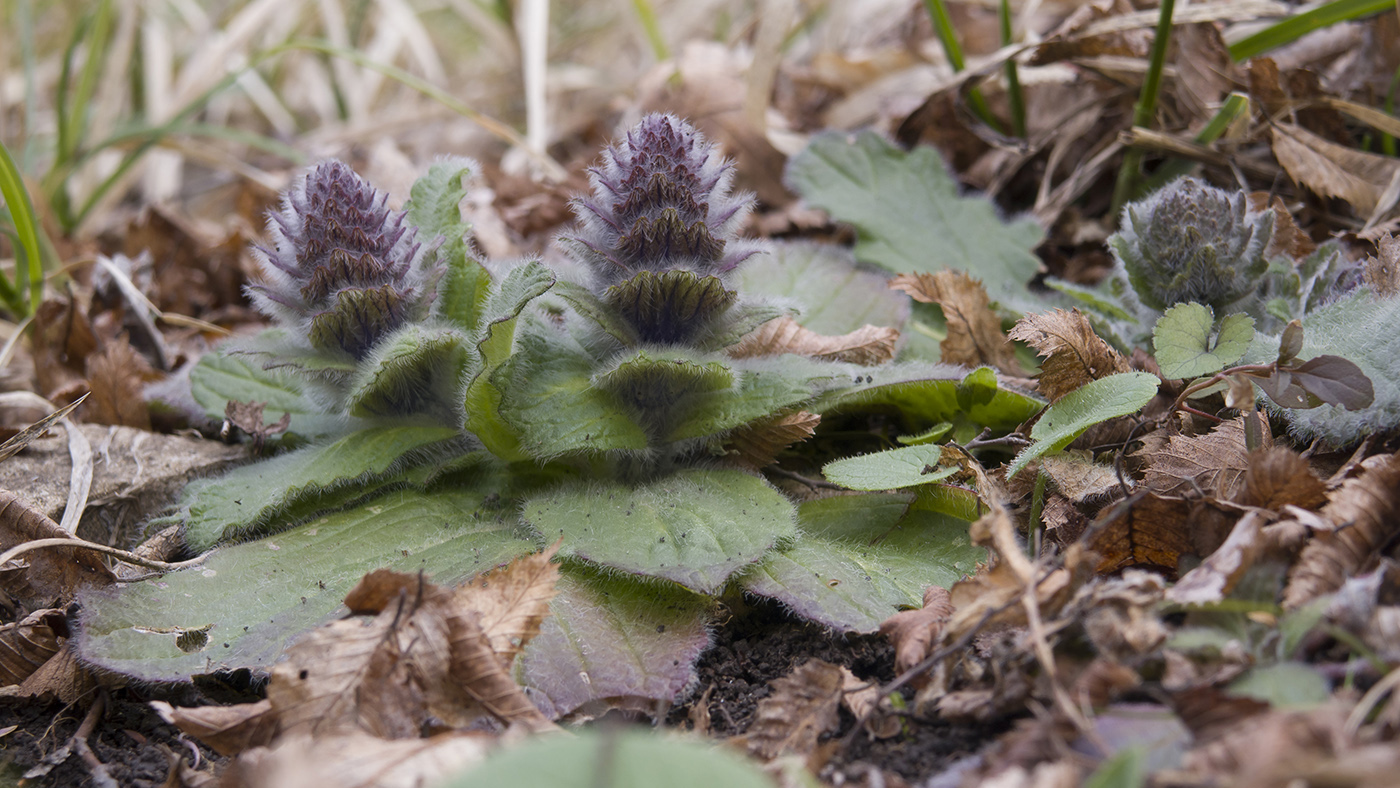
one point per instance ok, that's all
(758, 644)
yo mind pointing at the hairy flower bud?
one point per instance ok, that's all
(661, 202)
(1193, 242)
(343, 270)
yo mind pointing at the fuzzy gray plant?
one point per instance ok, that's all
(1193, 242)
(343, 271)
(662, 201)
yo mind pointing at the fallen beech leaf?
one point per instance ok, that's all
(800, 708)
(1366, 513)
(27, 644)
(1154, 531)
(39, 578)
(1213, 464)
(974, 336)
(63, 677)
(1333, 170)
(1217, 575)
(757, 445)
(1079, 478)
(913, 632)
(1288, 239)
(356, 760)
(862, 699)
(1073, 353)
(868, 345)
(229, 730)
(509, 602)
(1382, 272)
(1279, 477)
(116, 377)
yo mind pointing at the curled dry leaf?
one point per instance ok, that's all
(868, 345)
(1217, 575)
(1120, 616)
(974, 336)
(913, 632)
(1213, 464)
(117, 375)
(63, 678)
(1382, 272)
(41, 577)
(862, 699)
(357, 760)
(1366, 513)
(510, 601)
(757, 445)
(1288, 239)
(801, 707)
(1279, 477)
(1073, 353)
(229, 730)
(27, 644)
(248, 417)
(1333, 170)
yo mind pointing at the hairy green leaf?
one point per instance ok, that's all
(1096, 401)
(249, 500)
(694, 527)
(495, 342)
(434, 207)
(594, 309)
(909, 217)
(1182, 340)
(1283, 685)
(256, 596)
(923, 395)
(220, 378)
(614, 638)
(417, 370)
(909, 466)
(861, 558)
(766, 386)
(836, 295)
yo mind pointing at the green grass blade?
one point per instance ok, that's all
(29, 272)
(1013, 76)
(1294, 27)
(943, 25)
(97, 40)
(1236, 106)
(1128, 174)
(646, 14)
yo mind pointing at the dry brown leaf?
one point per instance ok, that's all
(1213, 464)
(1279, 477)
(1120, 615)
(974, 336)
(1266, 748)
(757, 445)
(357, 760)
(1366, 513)
(248, 417)
(913, 632)
(476, 673)
(39, 578)
(1333, 170)
(862, 699)
(509, 602)
(1154, 531)
(1069, 41)
(801, 707)
(1382, 272)
(27, 644)
(1073, 353)
(1288, 239)
(1079, 478)
(868, 345)
(229, 730)
(1102, 682)
(1205, 71)
(116, 377)
(1217, 575)
(63, 678)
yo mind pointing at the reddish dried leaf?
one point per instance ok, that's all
(48, 575)
(868, 345)
(116, 377)
(1382, 272)
(229, 730)
(800, 708)
(1288, 239)
(63, 678)
(1154, 531)
(1073, 353)
(974, 336)
(1366, 513)
(757, 445)
(26, 645)
(913, 632)
(1279, 477)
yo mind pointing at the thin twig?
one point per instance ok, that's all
(96, 767)
(130, 558)
(815, 484)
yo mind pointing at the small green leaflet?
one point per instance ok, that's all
(1182, 342)
(890, 470)
(434, 208)
(909, 216)
(1096, 401)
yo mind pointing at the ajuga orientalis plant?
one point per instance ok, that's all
(453, 416)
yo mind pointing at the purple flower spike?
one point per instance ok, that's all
(661, 202)
(343, 270)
